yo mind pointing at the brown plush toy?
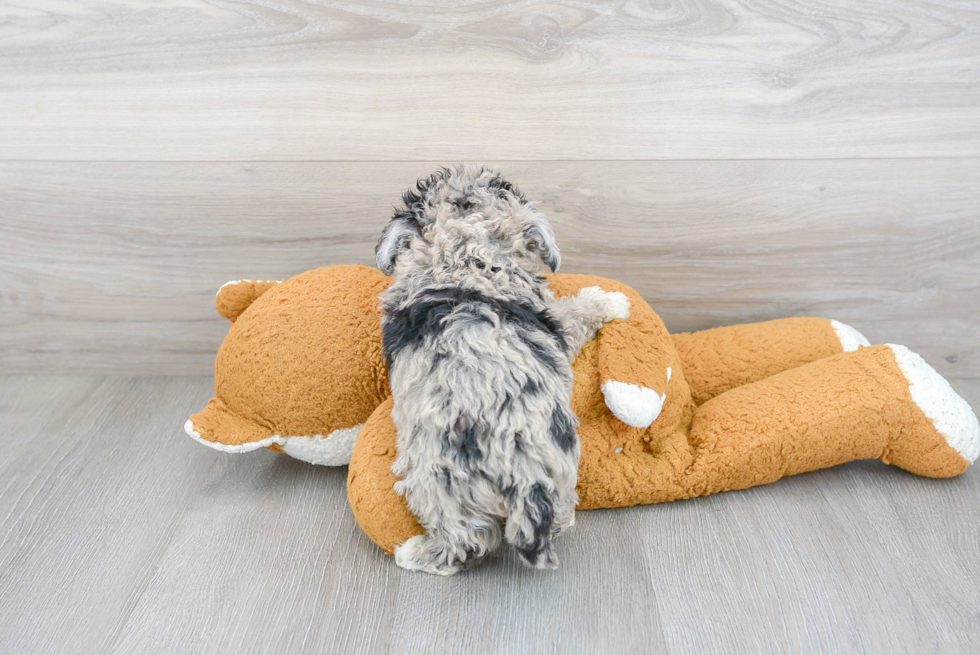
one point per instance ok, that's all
(663, 417)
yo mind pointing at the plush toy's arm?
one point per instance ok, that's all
(582, 315)
(235, 297)
(636, 357)
(720, 359)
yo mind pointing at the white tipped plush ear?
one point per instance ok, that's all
(395, 239)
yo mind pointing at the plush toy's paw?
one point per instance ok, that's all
(617, 306)
(417, 554)
(949, 413)
(609, 305)
(850, 339)
(634, 405)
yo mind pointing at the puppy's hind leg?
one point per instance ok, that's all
(532, 526)
(458, 532)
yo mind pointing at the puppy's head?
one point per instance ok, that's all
(466, 219)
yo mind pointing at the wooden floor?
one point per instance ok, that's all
(121, 535)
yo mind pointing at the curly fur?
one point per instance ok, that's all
(479, 354)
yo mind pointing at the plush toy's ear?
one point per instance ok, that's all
(539, 231)
(395, 239)
(235, 297)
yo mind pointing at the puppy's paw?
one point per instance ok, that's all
(617, 306)
(540, 556)
(418, 554)
(566, 523)
(547, 559)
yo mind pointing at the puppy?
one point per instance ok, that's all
(479, 356)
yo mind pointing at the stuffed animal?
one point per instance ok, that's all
(663, 417)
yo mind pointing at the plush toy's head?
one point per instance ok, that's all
(301, 367)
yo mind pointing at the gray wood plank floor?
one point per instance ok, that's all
(120, 535)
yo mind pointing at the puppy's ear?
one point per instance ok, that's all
(395, 239)
(539, 231)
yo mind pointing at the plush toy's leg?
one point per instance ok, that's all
(382, 514)
(882, 402)
(720, 359)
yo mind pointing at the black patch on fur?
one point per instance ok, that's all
(504, 406)
(562, 429)
(542, 515)
(413, 324)
(462, 445)
(415, 199)
(530, 388)
(539, 353)
(498, 184)
(409, 217)
(508, 491)
(463, 204)
(537, 320)
(446, 477)
(468, 451)
(437, 359)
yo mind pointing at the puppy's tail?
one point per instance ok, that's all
(235, 297)
(531, 527)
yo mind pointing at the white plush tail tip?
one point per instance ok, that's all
(949, 412)
(632, 404)
(850, 339)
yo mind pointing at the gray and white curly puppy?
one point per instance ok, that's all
(479, 356)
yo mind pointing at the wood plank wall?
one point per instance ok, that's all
(732, 160)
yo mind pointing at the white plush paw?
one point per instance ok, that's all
(413, 556)
(632, 404)
(617, 306)
(850, 339)
(949, 412)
